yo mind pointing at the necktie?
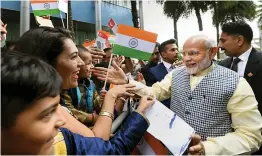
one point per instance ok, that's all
(170, 69)
(234, 64)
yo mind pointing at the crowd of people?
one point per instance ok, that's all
(55, 99)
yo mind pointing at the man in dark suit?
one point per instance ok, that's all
(243, 58)
(153, 61)
(168, 51)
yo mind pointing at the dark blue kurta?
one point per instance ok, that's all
(123, 143)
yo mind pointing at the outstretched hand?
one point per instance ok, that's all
(196, 146)
(96, 53)
(115, 74)
(144, 103)
(140, 78)
(122, 90)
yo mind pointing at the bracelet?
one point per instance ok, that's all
(108, 114)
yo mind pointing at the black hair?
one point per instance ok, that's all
(24, 80)
(44, 42)
(81, 49)
(107, 49)
(238, 28)
(10, 44)
(164, 44)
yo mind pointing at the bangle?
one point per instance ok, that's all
(108, 114)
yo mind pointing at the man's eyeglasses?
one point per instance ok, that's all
(191, 53)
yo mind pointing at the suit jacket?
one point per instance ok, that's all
(146, 74)
(253, 73)
(157, 74)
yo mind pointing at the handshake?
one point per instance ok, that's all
(128, 90)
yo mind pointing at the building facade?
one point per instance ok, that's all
(83, 13)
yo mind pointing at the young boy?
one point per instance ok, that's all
(30, 120)
(83, 101)
(88, 86)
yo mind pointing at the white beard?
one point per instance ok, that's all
(200, 66)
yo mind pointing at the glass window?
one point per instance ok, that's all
(123, 3)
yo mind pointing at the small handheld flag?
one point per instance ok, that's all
(63, 5)
(112, 25)
(45, 7)
(134, 42)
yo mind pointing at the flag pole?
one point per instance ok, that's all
(67, 23)
(111, 57)
(61, 16)
(62, 19)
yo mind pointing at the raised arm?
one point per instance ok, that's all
(161, 90)
(122, 143)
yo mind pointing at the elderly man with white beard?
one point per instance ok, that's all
(215, 101)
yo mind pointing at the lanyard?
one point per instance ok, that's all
(89, 97)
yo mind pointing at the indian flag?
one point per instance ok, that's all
(45, 7)
(134, 42)
(63, 5)
(111, 39)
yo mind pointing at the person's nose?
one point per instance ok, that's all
(60, 119)
(220, 45)
(80, 62)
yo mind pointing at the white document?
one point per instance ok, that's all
(174, 132)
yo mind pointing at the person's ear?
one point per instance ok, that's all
(163, 54)
(212, 52)
(240, 40)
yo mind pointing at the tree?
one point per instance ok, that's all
(236, 10)
(175, 10)
(231, 11)
(259, 14)
(198, 6)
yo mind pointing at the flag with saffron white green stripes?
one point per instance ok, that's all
(134, 42)
(44, 7)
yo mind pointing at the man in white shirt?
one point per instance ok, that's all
(236, 40)
(215, 101)
(168, 51)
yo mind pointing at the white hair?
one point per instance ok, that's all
(210, 43)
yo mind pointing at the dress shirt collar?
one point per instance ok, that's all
(245, 55)
(167, 65)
